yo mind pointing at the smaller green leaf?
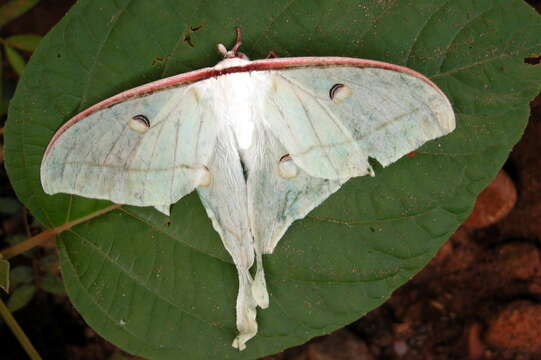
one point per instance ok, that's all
(20, 275)
(15, 59)
(27, 42)
(53, 284)
(15, 8)
(9, 205)
(21, 297)
(4, 275)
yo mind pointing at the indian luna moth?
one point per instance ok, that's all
(263, 142)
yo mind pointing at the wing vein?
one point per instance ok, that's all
(326, 149)
(156, 138)
(102, 170)
(175, 158)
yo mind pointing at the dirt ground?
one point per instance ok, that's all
(479, 297)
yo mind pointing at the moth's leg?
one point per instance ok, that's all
(272, 54)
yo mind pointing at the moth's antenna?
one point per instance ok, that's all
(234, 52)
(237, 41)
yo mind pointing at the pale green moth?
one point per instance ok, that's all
(263, 142)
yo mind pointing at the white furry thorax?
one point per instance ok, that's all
(231, 62)
(237, 98)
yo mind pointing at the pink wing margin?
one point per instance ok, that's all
(257, 65)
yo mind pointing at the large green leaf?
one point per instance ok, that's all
(167, 290)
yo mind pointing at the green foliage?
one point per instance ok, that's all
(26, 42)
(165, 288)
(20, 297)
(23, 294)
(21, 287)
(15, 59)
(20, 283)
(14, 9)
(20, 275)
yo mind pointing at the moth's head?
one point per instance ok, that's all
(234, 52)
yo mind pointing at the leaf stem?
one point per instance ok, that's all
(44, 236)
(18, 332)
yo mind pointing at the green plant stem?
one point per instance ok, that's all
(44, 236)
(18, 332)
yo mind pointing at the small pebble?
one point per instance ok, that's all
(493, 203)
(517, 327)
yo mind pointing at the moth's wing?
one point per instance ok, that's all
(329, 120)
(286, 197)
(332, 118)
(279, 193)
(313, 136)
(224, 199)
(101, 156)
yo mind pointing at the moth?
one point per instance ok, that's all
(262, 142)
